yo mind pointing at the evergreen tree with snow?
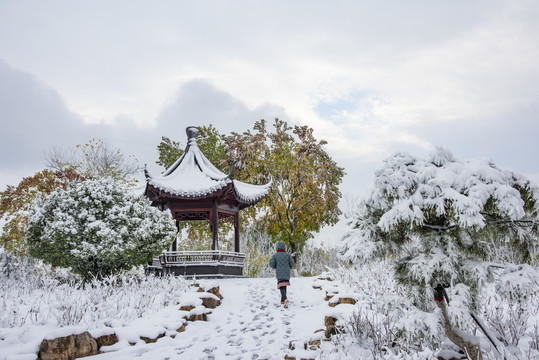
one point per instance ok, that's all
(97, 228)
(442, 221)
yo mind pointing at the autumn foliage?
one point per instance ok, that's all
(305, 194)
(16, 201)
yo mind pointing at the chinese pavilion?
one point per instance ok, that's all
(194, 189)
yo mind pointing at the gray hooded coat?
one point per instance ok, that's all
(282, 262)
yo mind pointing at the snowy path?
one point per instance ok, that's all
(250, 323)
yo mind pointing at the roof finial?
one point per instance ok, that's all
(146, 173)
(192, 134)
(232, 173)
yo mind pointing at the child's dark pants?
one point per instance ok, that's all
(283, 293)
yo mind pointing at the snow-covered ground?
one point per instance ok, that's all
(250, 323)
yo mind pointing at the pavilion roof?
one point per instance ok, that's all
(194, 176)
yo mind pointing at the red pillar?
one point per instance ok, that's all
(215, 226)
(237, 232)
(174, 246)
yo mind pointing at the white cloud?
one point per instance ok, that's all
(469, 79)
(369, 78)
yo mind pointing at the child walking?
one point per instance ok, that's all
(282, 262)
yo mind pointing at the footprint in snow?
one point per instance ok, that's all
(181, 350)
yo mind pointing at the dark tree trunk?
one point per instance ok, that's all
(473, 350)
(293, 253)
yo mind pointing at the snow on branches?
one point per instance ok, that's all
(467, 194)
(449, 223)
(97, 227)
(440, 215)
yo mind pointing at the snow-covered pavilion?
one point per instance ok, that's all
(194, 189)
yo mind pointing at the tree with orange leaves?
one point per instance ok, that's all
(15, 202)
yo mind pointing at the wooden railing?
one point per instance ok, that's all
(187, 258)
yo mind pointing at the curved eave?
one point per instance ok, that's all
(248, 194)
(244, 194)
(163, 192)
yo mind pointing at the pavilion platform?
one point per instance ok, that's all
(199, 264)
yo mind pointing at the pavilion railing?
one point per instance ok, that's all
(190, 258)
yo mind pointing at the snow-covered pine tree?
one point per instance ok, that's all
(441, 220)
(97, 228)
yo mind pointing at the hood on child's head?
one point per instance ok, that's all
(281, 245)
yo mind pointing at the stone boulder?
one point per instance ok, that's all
(182, 328)
(106, 340)
(211, 301)
(331, 326)
(198, 317)
(68, 347)
(215, 291)
(149, 340)
(333, 301)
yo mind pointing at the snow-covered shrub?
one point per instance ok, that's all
(509, 322)
(534, 334)
(386, 324)
(7, 263)
(385, 320)
(14, 266)
(258, 249)
(513, 302)
(375, 331)
(314, 260)
(97, 228)
(31, 296)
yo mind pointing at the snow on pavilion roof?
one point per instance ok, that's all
(194, 176)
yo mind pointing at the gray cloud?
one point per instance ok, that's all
(33, 117)
(195, 103)
(198, 102)
(509, 139)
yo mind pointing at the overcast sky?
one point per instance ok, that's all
(371, 77)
